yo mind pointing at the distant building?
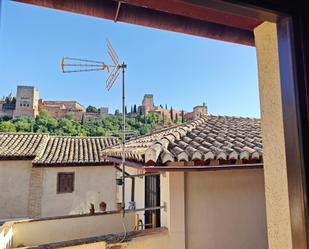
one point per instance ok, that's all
(148, 106)
(59, 109)
(27, 101)
(7, 107)
(103, 111)
(198, 111)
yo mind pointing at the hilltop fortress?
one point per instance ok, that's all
(27, 103)
(148, 106)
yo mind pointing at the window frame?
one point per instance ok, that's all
(58, 189)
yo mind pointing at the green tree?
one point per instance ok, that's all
(91, 108)
(10, 99)
(22, 126)
(7, 126)
(69, 116)
(101, 126)
(182, 116)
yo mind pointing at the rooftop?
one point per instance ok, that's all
(66, 151)
(21, 145)
(46, 150)
(205, 139)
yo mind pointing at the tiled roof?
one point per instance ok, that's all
(47, 150)
(61, 150)
(207, 138)
(21, 145)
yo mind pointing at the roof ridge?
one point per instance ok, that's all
(47, 134)
(238, 117)
(22, 133)
(63, 136)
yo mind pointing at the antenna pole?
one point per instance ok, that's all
(123, 66)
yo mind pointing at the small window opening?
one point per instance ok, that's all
(65, 183)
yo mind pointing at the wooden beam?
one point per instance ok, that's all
(150, 18)
(205, 11)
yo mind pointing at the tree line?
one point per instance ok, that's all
(140, 124)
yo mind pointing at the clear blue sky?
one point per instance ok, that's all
(180, 70)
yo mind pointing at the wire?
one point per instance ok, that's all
(124, 228)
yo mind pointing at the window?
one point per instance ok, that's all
(65, 183)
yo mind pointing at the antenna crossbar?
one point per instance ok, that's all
(82, 70)
(84, 60)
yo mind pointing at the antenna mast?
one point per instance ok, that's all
(85, 65)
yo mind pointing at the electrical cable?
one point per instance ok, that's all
(124, 229)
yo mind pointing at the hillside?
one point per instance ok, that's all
(103, 126)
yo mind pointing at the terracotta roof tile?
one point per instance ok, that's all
(14, 146)
(210, 137)
(47, 150)
(66, 151)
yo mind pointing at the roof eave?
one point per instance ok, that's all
(16, 158)
(164, 168)
(70, 164)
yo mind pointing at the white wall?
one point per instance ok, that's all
(55, 230)
(173, 217)
(92, 184)
(139, 188)
(226, 209)
(14, 188)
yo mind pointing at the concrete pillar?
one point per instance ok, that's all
(173, 195)
(275, 170)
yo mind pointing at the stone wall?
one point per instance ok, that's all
(35, 192)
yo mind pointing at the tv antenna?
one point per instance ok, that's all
(76, 65)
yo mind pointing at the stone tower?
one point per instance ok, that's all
(199, 111)
(27, 101)
(147, 103)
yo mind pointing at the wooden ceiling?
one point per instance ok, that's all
(201, 12)
(210, 19)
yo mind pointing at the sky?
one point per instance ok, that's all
(180, 70)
